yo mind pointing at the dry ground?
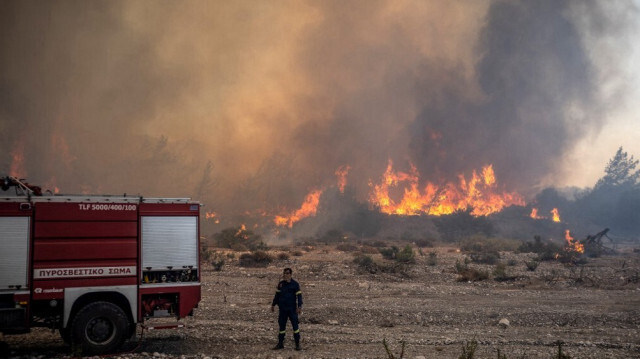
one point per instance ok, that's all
(594, 310)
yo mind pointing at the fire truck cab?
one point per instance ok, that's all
(94, 266)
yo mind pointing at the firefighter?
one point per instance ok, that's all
(287, 294)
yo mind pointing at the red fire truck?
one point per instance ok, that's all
(93, 267)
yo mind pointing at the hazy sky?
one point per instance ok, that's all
(252, 104)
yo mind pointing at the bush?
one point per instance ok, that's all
(485, 257)
(532, 265)
(239, 239)
(378, 244)
(433, 259)
(545, 250)
(333, 236)
(217, 261)
(255, 259)
(424, 243)
(467, 274)
(347, 247)
(283, 256)
(406, 255)
(389, 253)
(365, 262)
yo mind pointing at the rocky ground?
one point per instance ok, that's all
(593, 310)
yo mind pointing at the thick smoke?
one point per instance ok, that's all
(249, 105)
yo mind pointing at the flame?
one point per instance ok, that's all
(212, 215)
(308, 208)
(341, 173)
(572, 244)
(556, 215)
(17, 160)
(478, 192)
(534, 214)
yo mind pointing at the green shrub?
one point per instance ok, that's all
(469, 349)
(389, 253)
(406, 255)
(532, 265)
(365, 262)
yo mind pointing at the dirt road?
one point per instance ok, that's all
(593, 310)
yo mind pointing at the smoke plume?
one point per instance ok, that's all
(249, 105)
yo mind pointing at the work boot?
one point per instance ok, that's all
(298, 347)
(278, 346)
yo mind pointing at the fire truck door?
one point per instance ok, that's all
(14, 252)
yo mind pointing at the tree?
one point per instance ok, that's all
(620, 171)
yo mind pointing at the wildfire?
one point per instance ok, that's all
(572, 243)
(341, 173)
(308, 208)
(17, 161)
(555, 214)
(534, 214)
(479, 192)
(213, 216)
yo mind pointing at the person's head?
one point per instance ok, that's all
(286, 273)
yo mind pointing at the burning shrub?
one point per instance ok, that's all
(255, 259)
(239, 239)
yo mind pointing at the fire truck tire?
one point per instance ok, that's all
(99, 328)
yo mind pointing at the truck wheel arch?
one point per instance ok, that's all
(75, 299)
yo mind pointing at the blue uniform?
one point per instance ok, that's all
(287, 294)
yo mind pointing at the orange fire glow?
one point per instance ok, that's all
(341, 173)
(479, 193)
(213, 216)
(17, 161)
(572, 243)
(308, 208)
(534, 214)
(556, 215)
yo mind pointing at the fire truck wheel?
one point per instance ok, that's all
(99, 328)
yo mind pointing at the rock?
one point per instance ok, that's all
(333, 322)
(504, 323)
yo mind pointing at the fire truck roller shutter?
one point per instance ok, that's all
(169, 241)
(14, 244)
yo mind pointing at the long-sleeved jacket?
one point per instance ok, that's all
(286, 295)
